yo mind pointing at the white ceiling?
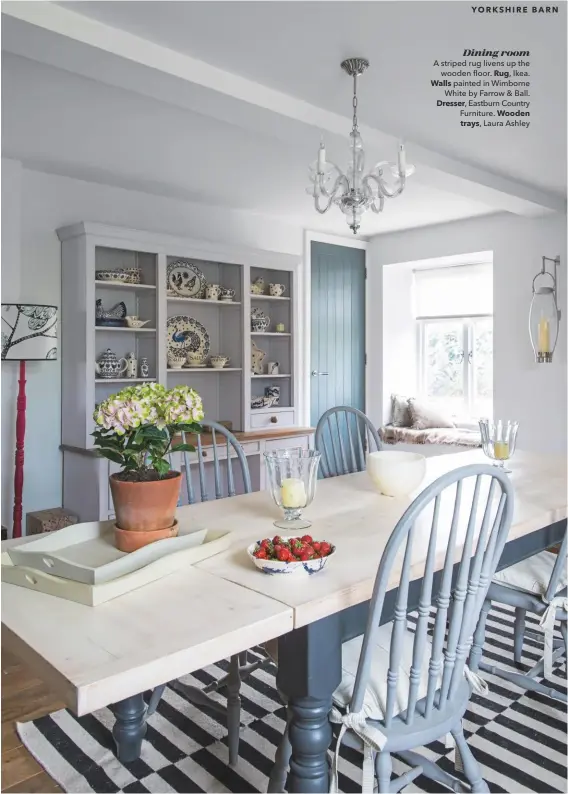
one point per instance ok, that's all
(296, 47)
(88, 101)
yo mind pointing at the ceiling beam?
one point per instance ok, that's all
(63, 38)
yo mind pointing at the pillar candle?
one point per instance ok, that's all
(543, 336)
(293, 493)
(501, 450)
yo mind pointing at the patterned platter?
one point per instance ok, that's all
(186, 279)
(186, 335)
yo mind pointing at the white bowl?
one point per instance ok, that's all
(276, 567)
(396, 473)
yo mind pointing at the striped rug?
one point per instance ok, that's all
(518, 738)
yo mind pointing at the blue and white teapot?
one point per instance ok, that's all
(109, 366)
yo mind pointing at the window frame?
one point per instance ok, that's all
(468, 362)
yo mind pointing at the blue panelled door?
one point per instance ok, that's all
(337, 364)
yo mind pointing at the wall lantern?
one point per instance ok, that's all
(544, 315)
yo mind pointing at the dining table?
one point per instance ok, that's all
(114, 653)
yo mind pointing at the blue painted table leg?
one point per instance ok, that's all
(309, 670)
(129, 728)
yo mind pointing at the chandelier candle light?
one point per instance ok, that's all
(354, 192)
(544, 315)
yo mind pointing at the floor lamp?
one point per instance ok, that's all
(29, 333)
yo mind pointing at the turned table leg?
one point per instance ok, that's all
(309, 670)
(129, 728)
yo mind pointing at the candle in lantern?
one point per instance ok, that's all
(543, 336)
(293, 493)
(501, 450)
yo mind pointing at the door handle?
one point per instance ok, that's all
(315, 373)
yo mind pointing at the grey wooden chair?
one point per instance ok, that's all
(537, 585)
(343, 436)
(402, 690)
(223, 482)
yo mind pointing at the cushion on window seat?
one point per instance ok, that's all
(531, 575)
(455, 436)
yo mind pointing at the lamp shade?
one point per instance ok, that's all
(29, 332)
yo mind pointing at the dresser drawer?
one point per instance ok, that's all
(272, 420)
(287, 443)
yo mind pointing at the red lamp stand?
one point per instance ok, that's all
(19, 456)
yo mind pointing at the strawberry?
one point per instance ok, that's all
(277, 540)
(308, 550)
(283, 555)
(261, 554)
(325, 548)
(266, 543)
(316, 546)
(305, 556)
(307, 539)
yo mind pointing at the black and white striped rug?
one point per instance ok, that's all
(518, 738)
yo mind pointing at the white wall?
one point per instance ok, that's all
(399, 335)
(534, 394)
(45, 202)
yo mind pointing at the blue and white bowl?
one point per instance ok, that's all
(276, 567)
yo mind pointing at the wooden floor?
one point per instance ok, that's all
(24, 697)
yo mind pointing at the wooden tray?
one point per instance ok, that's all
(86, 552)
(92, 595)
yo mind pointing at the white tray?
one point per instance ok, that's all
(92, 595)
(86, 552)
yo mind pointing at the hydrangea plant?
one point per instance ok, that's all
(136, 427)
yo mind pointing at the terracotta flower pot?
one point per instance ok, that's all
(126, 540)
(143, 506)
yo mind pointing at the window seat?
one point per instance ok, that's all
(439, 436)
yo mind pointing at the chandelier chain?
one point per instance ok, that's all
(355, 120)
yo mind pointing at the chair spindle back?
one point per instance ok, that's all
(343, 436)
(477, 521)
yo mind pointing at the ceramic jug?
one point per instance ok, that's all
(131, 366)
(109, 366)
(212, 292)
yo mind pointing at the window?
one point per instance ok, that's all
(454, 308)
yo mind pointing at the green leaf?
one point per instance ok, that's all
(162, 466)
(183, 448)
(151, 432)
(186, 428)
(112, 454)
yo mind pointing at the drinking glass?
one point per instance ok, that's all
(292, 475)
(498, 439)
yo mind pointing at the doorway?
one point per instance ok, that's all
(337, 354)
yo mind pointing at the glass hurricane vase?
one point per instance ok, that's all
(292, 476)
(498, 439)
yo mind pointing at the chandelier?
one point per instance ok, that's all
(354, 192)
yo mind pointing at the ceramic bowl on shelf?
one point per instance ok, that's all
(135, 322)
(227, 294)
(134, 274)
(275, 567)
(218, 362)
(175, 362)
(116, 276)
(395, 473)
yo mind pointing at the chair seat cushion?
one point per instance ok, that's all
(376, 695)
(531, 575)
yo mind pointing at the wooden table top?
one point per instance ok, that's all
(96, 656)
(350, 513)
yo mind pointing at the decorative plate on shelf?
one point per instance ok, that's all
(186, 279)
(186, 335)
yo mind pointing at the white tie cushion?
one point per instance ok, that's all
(374, 704)
(531, 575)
